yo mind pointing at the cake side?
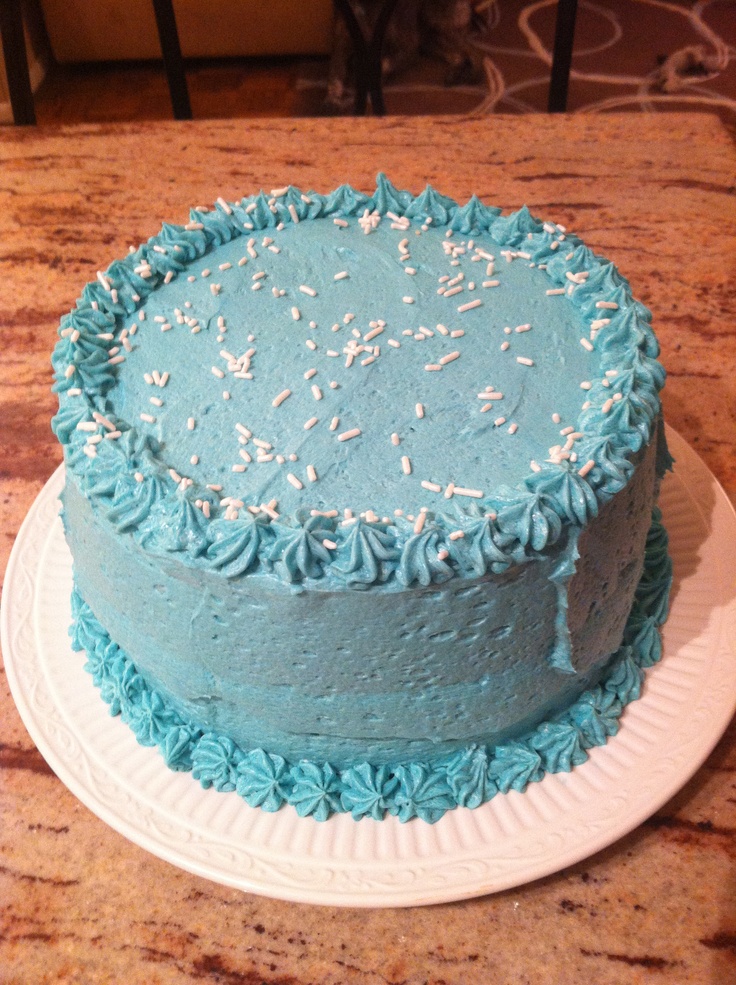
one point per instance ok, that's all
(389, 675)
(468, 778)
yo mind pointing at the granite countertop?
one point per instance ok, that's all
(78, 902)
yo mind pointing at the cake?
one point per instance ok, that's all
(361, 497)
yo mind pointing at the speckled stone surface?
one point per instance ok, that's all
(78, 903)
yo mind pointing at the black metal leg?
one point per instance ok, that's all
(562, 55)
(368, 55)
(16, 62)
(360, 50)
(375, 52)
(173, 61)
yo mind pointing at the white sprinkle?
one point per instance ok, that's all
(103, 280)
(485, 408)
(244, 455)
(216, 371)
(116, 360)
(433, 367)
(308, 290)
(607, 405)
(408, 300)
(333, 423)
(225, 394)
(310, 423)
(474, 493)
(431, 486)
(523, 328)
(419, 408)
(419, 525)
(293, 214)
(555, 290)
(138, 476)
(296, 483)
(311, 473)
(340, 222)
(607, 304)
(457, 534)
(259, 443)
(310, 344)
(565, 431)
(470, 304)
(450, 357)
(457, 333)
(453, 290)
(524, 361)
(584, 469)
(513, 428)
(535, 467)
(373, 333)
(406, 464)
(499, 421)
(240, 467)
(295, 313)
(347, 435)
(149, 418)
(156, 401)
(491, 283)
(504, 346)
(586, 344)
(341, 276)
(277, 401)
(316, 392)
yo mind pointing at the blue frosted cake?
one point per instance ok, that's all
(361, 497)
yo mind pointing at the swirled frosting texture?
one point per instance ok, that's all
(466, 778)
(254, 309)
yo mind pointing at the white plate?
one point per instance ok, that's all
(665, 736)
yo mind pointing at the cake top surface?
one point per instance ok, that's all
(305, 363)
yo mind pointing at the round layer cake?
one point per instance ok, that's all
(359, 492)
